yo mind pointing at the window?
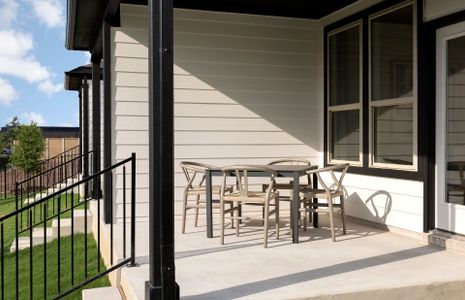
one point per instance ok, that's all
(344, 94)
(372, 115)
(392, 89)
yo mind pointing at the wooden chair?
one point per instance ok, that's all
(245, 196)
(289, 186)
(331, 188)
(195, 176)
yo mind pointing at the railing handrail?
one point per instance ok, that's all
(55, 167)
(69, 187)
(59, 155)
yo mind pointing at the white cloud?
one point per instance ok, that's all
(49, 88)
(7, 92)
(8, 13)
(16, 59)
(34, 117)
(49, 12)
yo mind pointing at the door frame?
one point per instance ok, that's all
(450, 32)
(427, 95)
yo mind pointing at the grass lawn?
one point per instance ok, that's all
(7, 206)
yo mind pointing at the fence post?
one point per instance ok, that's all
(4, 181)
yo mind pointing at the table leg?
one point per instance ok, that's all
(295, 209)
(315, 201)
(208, 200)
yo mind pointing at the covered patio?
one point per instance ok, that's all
(248, 82)
(367, 263)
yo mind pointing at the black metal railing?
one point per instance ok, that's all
(59, 256)
(10, 175)
(47, 182)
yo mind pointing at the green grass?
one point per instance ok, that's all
(7, 206)
(52, 269)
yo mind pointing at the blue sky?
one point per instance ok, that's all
(33, 60)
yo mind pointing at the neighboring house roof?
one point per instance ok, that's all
(73, 78)
(55, 131)
(85, 17)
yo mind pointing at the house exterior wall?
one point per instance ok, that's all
(247, 90)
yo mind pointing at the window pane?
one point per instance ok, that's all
(456, 120)
(345, 133)
(393, 134)
(392, 55)
(344, 67)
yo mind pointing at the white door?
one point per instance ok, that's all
(450, 128)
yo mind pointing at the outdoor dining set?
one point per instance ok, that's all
(280, 181)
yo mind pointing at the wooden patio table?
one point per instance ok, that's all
(284, 171)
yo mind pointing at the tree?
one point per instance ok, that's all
(28, 148)
(9, 135)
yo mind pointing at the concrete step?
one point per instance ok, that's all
(52, 232)
(447, 240)
(79, 224)
(104, 293)
(37, 239)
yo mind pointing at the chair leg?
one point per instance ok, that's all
(184, 212)
(303, 218)
(277, 217)
(236, 213)
(265, 226)
(343, 214)
(197, 211)
(331, 219)
(222, 222)
(231, 206)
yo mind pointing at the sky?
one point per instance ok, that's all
(33, 60)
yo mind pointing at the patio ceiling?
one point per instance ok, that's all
(85, 17)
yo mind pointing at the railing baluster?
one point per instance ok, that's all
(133, 209)
(97, 188)
(124, 212)
(45, 249)
(111, 218)
(17, 244)
(31, 270)
(72, 238)
(59, 243)
(2, 239)
(85, 239)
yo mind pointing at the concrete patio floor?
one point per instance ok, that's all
(367, 263)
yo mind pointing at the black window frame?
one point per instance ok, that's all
(365, 168)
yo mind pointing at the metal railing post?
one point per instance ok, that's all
(133, 209)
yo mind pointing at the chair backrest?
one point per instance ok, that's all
(191, 169)
(336, 182)
(290, 161)
(242, 177)
(294, 162)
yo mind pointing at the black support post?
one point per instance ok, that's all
(85, 133)
(107, 123)
(162, 283)
(96, 123)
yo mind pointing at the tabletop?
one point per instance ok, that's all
(300, 169)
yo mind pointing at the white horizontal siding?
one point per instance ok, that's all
(247, 89)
